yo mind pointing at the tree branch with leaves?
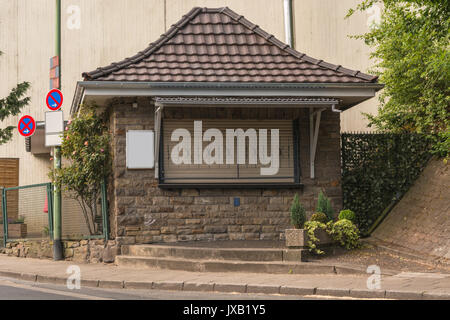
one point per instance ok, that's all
(86, 147)
(11, 106)
(412, 50)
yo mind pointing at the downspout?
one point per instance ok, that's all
(288, 23)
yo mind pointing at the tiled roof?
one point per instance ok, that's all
(218, 45)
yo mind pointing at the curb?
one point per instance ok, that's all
(236, 287)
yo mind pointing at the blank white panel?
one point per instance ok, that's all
(54, 127)
(140, 149)
(54, 122)
(53, 140)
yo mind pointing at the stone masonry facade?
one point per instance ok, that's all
(86, 251)
(141, 212)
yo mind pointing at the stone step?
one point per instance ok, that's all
(228, 266)
(233, 254)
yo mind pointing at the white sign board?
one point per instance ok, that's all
(140, 149)
(54, 127)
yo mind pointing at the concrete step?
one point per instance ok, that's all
(201, 265)
(233, 254)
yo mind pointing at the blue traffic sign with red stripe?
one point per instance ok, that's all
(27, 126)
(54, 99)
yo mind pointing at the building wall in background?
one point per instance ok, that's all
(97, 32)
(27, 32)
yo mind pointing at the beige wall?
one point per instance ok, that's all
(322, 32)
(27, 41)
(111, 30)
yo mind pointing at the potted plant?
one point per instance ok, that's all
(296, 237)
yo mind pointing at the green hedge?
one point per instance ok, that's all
(377, 168)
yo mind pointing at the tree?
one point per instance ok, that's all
(11, 106)
(411, 50)
(85, 146)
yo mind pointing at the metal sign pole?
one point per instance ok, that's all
(57, 243)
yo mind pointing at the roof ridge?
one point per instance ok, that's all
(285, 47)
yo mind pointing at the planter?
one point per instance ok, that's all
(298, 238)
(15, 230)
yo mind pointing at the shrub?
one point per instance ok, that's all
(346, 233)
(298, 213)
(319, 217)
(311, 227)
(324, 205)
(347, 214)
(86, 146)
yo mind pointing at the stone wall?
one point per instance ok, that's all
(87, 251)
(209, 214)
(421, 220)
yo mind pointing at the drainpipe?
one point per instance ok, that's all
(288, 23)
(57, 243)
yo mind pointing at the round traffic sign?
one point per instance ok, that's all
(54, 99)
(27, 126)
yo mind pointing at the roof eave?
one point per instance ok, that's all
(125, 88)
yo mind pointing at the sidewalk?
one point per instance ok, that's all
(398, 286)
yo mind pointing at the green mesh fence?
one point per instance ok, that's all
(26, 210)
(78, 223)
(29, 215)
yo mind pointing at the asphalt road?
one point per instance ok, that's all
(13, 289)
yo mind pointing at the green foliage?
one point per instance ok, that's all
(347, 214)
(346, 233)
(298, 213)
(11, 106)
(86, 146)
(311, 227)
(342, 231)
(45, 231)
(377, 168)
(411, 48)
(324, 205)
(319, 217)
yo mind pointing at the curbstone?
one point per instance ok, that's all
(364, 293)
(168, 285)
(111, 284)
(50, 279)
(263, 289)
(229, 287)
(404, 295)
(198, 286)
(436, 296)
(336, 292)
(297, 291)
(348, 270)
(28, 277)
(89, 283)
(138, 285)
(10, 274)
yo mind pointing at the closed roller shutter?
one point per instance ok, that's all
(229, 173)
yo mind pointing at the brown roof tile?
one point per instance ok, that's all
(218, 45)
